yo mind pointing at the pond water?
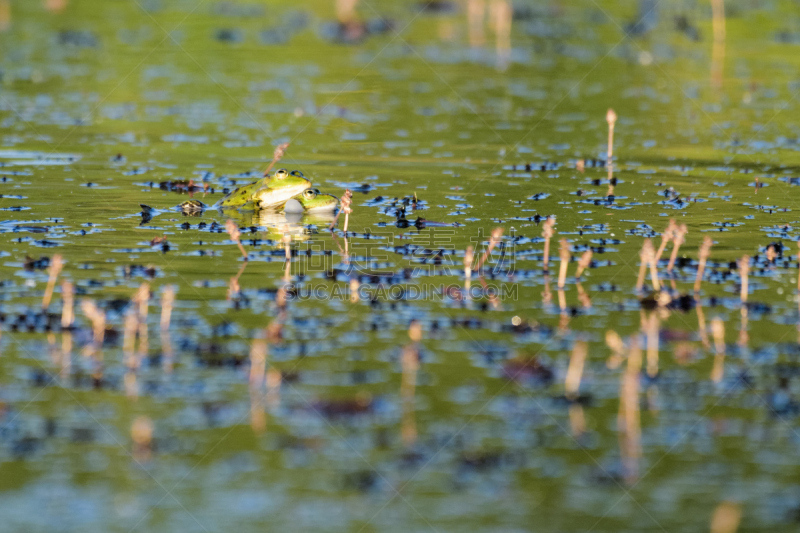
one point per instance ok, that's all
(369, 384)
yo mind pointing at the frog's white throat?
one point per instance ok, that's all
(267, 197)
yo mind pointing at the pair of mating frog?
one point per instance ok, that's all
(289, 192)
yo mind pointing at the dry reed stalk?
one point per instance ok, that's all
(476, 10)
(131, 384)
(142, 298)
(56, 264)
(66, 354)
(55, 6)
(129, 340)
(410, 365)
(98, 319)
(497, 233)
(233, 231)
(577, 420)
(718, 332)
(142, 437)
(642, 267)
(629, 418)
(666, 237)
(346, 10)
(647, 257)
(565, 256)
(258, 363)
(274, 380)
(572, 381)
(274, 335)
(679, 237)
(490, 294)
(547, 233)
(274, 332)
(469, 255)
(705, 252)
(547, 296)
(726, 518)
(744, 337)
(287, 245)
(701, 324)
(718, 47)
(280, 298)
(5, 15)
(653, 268)
(651, 327)
(166, 350)
(583, 263)
(744, 271)
(67, 311)
(611, 118)
(562, 302)
(415, 331)
(167, 300)
(583, 298)
(798, 268)
(51, 348)
(663, 299)
(500, 14)
(258, 418)
(348, 208)
(345, 201)
(564, 318)
(277, 155)
(614, 342)
(233, 288)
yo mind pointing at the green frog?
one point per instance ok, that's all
(271, 191)
(311, 201)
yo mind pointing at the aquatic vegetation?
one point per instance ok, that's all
(492, 300)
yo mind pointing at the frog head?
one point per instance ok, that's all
(312, 201)
(279, 188)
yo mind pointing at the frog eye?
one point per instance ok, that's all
(310, 194)
(297, 174)
(281, 174)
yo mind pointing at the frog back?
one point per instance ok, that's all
(241, 196)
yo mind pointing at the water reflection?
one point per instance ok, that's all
(500, 14)
(55, 6)
(718, 46)
(298, 226)
(220, 372)
(501, 17)
(408, 386)
(718, 333)
(258, 372)
(476, 11)
(5, 15)
(628, 421)
(167, 300)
